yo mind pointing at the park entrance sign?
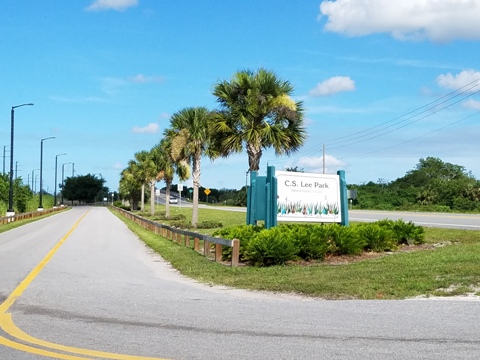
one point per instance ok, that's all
(308, 197)
(294, 196)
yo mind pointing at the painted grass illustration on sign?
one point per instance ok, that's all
(309, 209)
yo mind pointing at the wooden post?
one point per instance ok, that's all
(196, 244)
(206, 248)
(235, 252)
(218, 252)
(187, 240)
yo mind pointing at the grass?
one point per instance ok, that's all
(452, 268)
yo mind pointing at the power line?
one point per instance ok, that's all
(432, 108)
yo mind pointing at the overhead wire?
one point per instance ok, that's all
(430, 108)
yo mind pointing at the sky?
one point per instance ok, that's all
(384, 83)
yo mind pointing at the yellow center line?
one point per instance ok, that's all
(33, 274)
(7, 324)
(32, 350)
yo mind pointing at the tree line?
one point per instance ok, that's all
(432, 185)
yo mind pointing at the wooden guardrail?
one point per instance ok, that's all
(29, 215)
(184, 236)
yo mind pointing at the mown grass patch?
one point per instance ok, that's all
(395, 275)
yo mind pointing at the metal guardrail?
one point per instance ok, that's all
(184, 236)
(29, 215)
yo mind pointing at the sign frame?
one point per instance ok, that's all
(309, 197)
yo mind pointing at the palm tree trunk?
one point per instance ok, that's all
(196, 186)
(152, 198)
(142, 205)
(254, 154)
(167, 198)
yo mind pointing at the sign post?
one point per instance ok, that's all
(207, 191)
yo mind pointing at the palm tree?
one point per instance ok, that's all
(167, 167)
(145, 169)
(129, 187)
(191, 140)
(256, 112)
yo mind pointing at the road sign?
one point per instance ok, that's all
(180, 187)
(207, 191)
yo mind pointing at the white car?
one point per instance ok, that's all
(173, 200)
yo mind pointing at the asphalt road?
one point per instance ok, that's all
(439, 220)
(80, 285)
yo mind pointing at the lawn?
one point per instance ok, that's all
(448, 265)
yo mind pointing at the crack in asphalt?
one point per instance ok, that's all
(66, 315)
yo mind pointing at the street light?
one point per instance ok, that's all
(55, 193)
(63, 177)
(10, 211)
(40, 205)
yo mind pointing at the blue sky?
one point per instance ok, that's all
(383, 83)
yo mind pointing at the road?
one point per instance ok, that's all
(80, 285)
(439, 220)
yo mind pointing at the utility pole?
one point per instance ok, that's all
(4, 147)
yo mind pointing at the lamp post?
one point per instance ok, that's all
(40, 205)
(63, 177)
(55, 192)
(10, 211)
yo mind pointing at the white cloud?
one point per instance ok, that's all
(118, 166)
(151, 128)
(140, 78)
(437, 20)
(472, 104)
(333, 85)
(470, 79)
(118, 5)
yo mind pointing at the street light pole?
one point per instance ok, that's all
(55, 193)
(40, 205)
(63, 177)
(10, 211)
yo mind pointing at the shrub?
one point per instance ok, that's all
(404, 233)
(309, 240)
(244, 233)
(344, 240)
(270, 247)
(181, 224)
(377, 238)
(209, 224)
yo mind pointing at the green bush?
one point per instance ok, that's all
(209, 224)
(344, 240)
(181, 224)
(271, 247)
(378, 238)
(244, 233)
(309, 240)
(404, 233)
